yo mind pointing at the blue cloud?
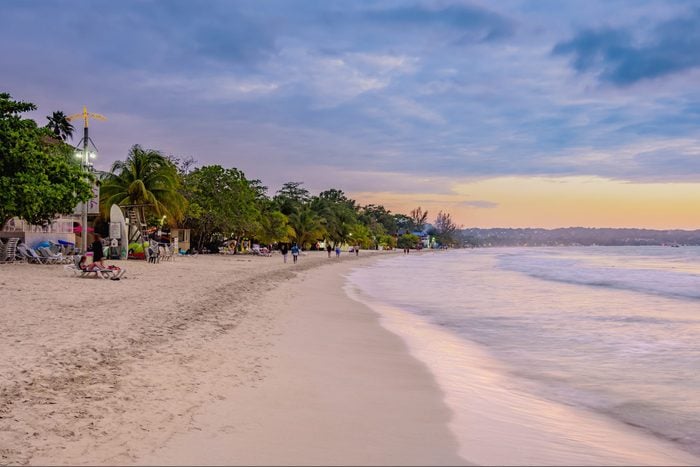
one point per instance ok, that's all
(382, 87)
(619, 58)
(476, 24)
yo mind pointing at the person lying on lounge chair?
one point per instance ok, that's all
(85, 266)
(97, 267)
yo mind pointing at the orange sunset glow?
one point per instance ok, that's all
(558, 202)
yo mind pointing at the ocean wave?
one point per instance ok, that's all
(662, 282)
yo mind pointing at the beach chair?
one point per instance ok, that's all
(50, 257)
(103, 273)
(169, 252)
(163, 252)
(23, 251)
(111, 272)
(152, 254)
(9, 251)
(82, 272)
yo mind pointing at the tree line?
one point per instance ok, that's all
(41, 178)
(577, 236)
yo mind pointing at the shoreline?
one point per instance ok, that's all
(104, 372)
(339, 390)
(500, 419)
(225, 360)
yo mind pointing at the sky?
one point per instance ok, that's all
(503, 113)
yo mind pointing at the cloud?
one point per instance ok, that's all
(329, 80)
(616, 56)
(373, 93)
(644, 160)
(216, 88)
(170, 36)
(474, 24)
(481, 204)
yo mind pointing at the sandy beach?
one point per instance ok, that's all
(210, 360)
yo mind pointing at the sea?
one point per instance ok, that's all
(560, 356)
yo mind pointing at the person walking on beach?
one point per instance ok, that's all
(337, 251)
(357, 250)
(98, 254)
(329, 248)
(295, 253)
(284, 251)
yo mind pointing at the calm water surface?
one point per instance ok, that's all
(610, 330)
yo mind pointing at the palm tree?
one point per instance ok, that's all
(274, 227)
(145, 178)
(59, 124)
(307, 226)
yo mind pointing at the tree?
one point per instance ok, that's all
(307, 226)
(145, 178)
(361, 235)
(338, 212)
(419, 218)
(39, 177)
(445, 229)
(408, 241)
(183, 166)
(60, 126)
(274, 227)
(403, 222)
(387, 241)
(378, 215)
(225, 204)
(291, 197)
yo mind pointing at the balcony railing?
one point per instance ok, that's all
(60, 225)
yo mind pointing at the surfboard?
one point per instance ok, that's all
(116, 219)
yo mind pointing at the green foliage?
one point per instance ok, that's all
(361, 235)
(404, 222)
(408, 241)
(339, 214)
(445, 229)
(60, 126)
(225, 204)
(387, 241)
(274, 227)
(419, 218)
(39, 177)
(146, 178)
(308, 226)
(379, 219)
(291, 197)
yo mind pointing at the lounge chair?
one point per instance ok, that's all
(152, 254)
(8, 252)
(52, 258)
(261, 251)
(30, 257)
(168, 251)
(103, 273)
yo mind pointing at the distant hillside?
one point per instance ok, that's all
(577, 236)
